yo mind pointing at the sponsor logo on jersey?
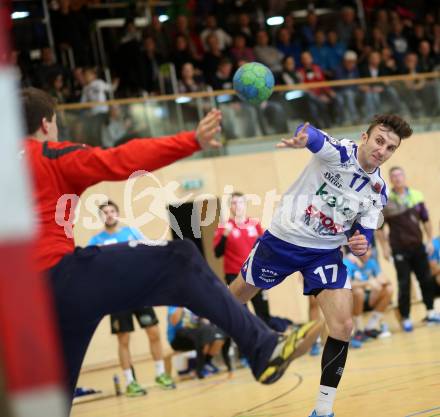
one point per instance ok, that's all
(376, 187)
(323, 224)
(339, 203)
(334, 179)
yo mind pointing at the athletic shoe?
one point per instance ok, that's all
(355, 343)
(290, 347)
(407, 325)
(165, 381)
(326, 415)
(360, 336)
(244, 363)
(372, 333)
(135, 390)
(433, 319)
(316, 349)
(211, 368)
(384, 331)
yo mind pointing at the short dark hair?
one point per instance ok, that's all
(37, 105)
(109, 203)
(237, 194)
(392, 122)
(395, 168)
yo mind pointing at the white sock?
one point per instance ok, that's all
(374, 320)
(325, 400)
(160, 367)
(129, 377)
(358, 323)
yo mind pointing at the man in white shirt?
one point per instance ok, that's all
(337, 200)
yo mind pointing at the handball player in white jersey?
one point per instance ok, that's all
(337, 200)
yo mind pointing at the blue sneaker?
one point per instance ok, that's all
(316, 349)
(326, 415)
(355, 343)
(407, 325)
(211, 368)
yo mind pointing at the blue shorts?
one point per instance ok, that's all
(272, 260)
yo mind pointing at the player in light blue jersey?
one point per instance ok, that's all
(122, 322)
(337, 200)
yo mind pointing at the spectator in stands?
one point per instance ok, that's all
(57, 89)
(286, 45)
(212, 57)
(151, 60)
(189, 82)
(244, 28)
(388, 61)
(378, 94)
(378, 40)
(116, 128)
(346, 24)
(322, 101)
(182, 54)
(21, 61)
(337, 51)
(348, 96)
(436, 43)
(359, 45)
(266, 54)
(416, 36)
(382, 22)
(128, 66)
(182, 27)
(47, 69)
(78, 83)
(157, 31)
(309, 28)
(224, 39)
(415, 93)
(426, 60)
(398, 41)
(321, 53)
(240, 51)
(71, 30)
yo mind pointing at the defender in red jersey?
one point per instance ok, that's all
(89, 283)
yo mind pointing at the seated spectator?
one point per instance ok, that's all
(244, 27)
(321, 53)
(372, 291)
(266, 54)
(426, 59)
(337, 51)
(378, 40)
(182, 27)
(188, 80)
(389, 64)
(398, 41)
(240, 51)
(309, 28)
(416, 93)
(322, 101)
(286, 45)
(150, 62)
(348, 96)
(182, 54)
(47, 69)
(346, 24)
(116, 128)
(378, 94)
(359, 45)
(224, 39)
(417, 35)
(213, 56)
(157, 31)
(186, 331)
(436, 44)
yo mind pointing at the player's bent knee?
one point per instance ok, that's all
(341, 330)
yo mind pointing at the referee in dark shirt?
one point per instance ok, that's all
(404, 214)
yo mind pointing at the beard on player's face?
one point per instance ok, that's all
(111, 221)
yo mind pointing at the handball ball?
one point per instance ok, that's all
(253, 82)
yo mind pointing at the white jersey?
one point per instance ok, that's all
(330, 196)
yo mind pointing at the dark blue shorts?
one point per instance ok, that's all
(272, 260)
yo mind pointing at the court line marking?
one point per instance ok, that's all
(424, 412)
(244, 413)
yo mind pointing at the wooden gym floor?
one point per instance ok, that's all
(394, 377)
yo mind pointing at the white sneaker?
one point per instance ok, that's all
(384, 332)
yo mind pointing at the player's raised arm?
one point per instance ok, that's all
(298, 141)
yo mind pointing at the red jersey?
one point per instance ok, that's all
(239, 243)
(69, 168)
